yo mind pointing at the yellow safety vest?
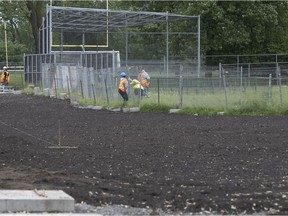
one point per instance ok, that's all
(136, 84)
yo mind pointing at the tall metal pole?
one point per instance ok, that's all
(126, 45)
(83, 41)
(238, 62)
(46, 38)
(50, 30)
(167, 45)
(41, 42)
(6, 47)
(198, 53)
(107, 29)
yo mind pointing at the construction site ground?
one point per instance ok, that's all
(169, 163)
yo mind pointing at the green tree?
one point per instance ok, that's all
(227, 27)
(245, 27)
(13, 16)
(35, 13)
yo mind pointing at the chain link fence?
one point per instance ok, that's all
(94, 79)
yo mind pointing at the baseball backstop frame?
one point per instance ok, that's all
(104, 21)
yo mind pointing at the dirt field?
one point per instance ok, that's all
(176, 163)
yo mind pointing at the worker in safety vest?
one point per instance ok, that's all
(135, 84)
(123, 88)
(144, 78)
(5, 76)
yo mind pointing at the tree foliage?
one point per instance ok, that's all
(227, 27)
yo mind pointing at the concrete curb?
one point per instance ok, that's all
(36, 201)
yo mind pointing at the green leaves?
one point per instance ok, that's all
(244, 27)
(227, 27)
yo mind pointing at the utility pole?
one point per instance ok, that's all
(6, 47)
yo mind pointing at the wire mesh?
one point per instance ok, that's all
(94, 78)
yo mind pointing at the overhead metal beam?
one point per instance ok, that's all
(94, 20)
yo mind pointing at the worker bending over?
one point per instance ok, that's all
(135, 84)
(5, 76)
(144, 79)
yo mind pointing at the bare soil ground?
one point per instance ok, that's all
(176, 163)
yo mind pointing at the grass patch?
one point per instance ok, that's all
(250, 102)
(254, 108)
(163, 108)
(28, 90)
(202, 111)
(17, 80)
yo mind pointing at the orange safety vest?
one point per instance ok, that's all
(144, 81)
(122, 85)
(5, 77)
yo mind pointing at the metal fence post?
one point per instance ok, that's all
(67, 79)
(94, 96)
(107, 97)
(220, 74)
(249, 72)
(280, 85)
(81, 86)
(180, 85)
(55, 86)
(241, 78)
(140, 94)
(270, 88)
(225, 90)
(158, 86)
